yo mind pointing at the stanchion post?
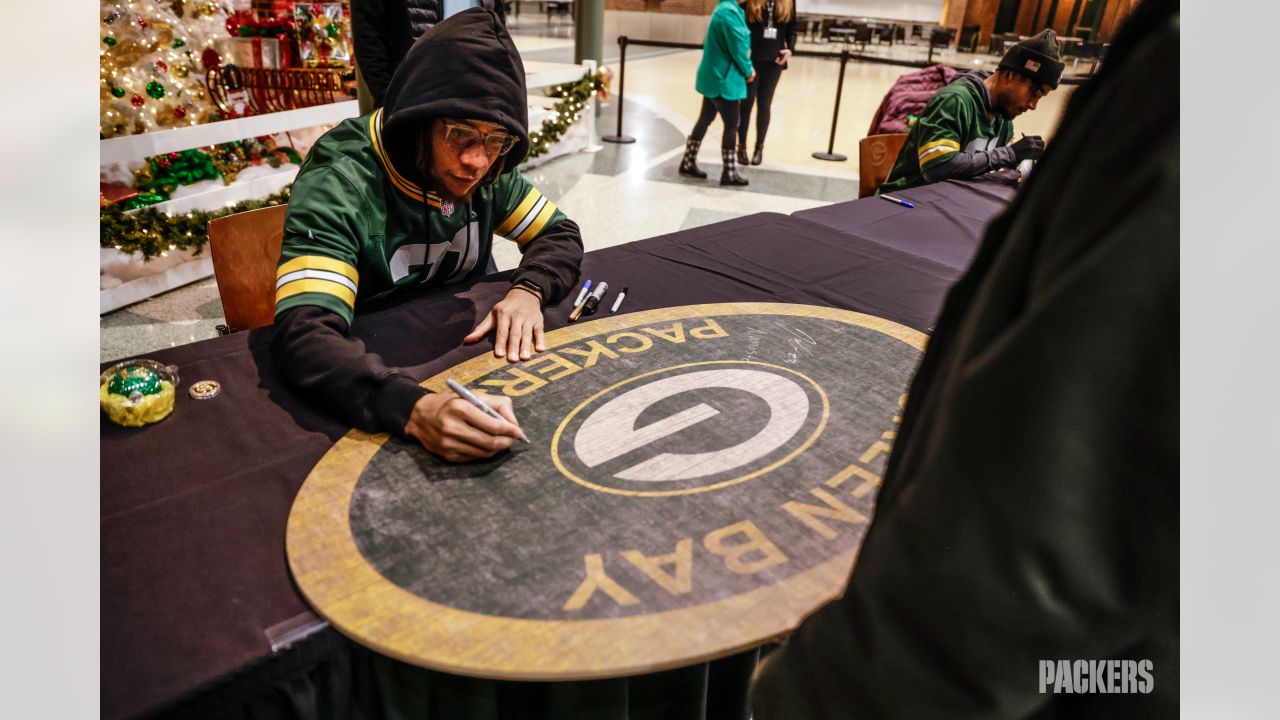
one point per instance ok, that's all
(622, 82)
(835, 115)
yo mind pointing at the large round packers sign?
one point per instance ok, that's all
(698, 481)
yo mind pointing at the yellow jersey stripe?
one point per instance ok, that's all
(318, 262)
(402, 184)
(536, 226)
(935, 153)
(937, 143)
(517, 216)
(327, 287)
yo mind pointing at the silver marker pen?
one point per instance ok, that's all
(470, 397)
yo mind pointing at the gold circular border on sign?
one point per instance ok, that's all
(822, 424)
(359, 602)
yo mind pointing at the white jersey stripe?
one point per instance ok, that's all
(316, 275)
(533, 214)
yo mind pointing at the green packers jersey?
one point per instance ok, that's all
(358, 229)
(955, 119)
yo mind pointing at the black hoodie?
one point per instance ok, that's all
(465, 67)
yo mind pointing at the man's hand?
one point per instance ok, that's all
(458, 431)
(1030, 147)
(518, 322)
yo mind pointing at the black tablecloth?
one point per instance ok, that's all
(194, 508)
(945, 215)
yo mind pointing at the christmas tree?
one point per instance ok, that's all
(153, 58)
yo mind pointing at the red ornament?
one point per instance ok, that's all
(174, 156)
(136, 100)
(163, 67)
(210, 59)
(180, 112)
(233, 25)
(142, 22)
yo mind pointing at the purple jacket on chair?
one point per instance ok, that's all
(908, 97)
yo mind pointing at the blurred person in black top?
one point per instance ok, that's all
(1022, 561)
(383, 30)
(773, 39)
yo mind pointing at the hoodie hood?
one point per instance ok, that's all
(467, 68)
(974, 79)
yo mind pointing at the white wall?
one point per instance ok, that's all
(919, 10)
(671, 27)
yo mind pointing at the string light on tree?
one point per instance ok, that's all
(146, 58)
(565, 112)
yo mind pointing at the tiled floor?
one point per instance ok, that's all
(628, 192)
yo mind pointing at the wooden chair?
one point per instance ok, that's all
(876, 155)
(245, 249)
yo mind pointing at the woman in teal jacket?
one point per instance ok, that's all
(722, 81)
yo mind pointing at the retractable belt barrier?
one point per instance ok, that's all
(844, 56)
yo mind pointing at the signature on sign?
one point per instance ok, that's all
(796, 343)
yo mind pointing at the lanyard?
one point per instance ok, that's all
(769, 7)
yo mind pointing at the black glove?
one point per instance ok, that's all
(1030, 147)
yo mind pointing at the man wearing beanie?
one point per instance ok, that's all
(965, 128)
(409, 197)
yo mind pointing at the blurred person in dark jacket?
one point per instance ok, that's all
(1022, 561)
(382, 31)
(773, 38)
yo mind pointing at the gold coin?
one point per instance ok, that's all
(205, 389)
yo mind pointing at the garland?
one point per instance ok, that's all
(154, 234)
(566, 111)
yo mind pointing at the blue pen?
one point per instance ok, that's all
(900, 201)
(582, 294)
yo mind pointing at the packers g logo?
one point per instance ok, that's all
(649, 435)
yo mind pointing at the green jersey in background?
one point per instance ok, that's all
(958, 118)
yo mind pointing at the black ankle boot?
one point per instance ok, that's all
(689, 165)
(730, 174)
(742, 154)
(758, 157)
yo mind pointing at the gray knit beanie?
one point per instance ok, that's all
(1037, 58)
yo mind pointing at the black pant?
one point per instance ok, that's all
(728, 110)
(767, 76)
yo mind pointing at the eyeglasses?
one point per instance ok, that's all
(461, 137)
